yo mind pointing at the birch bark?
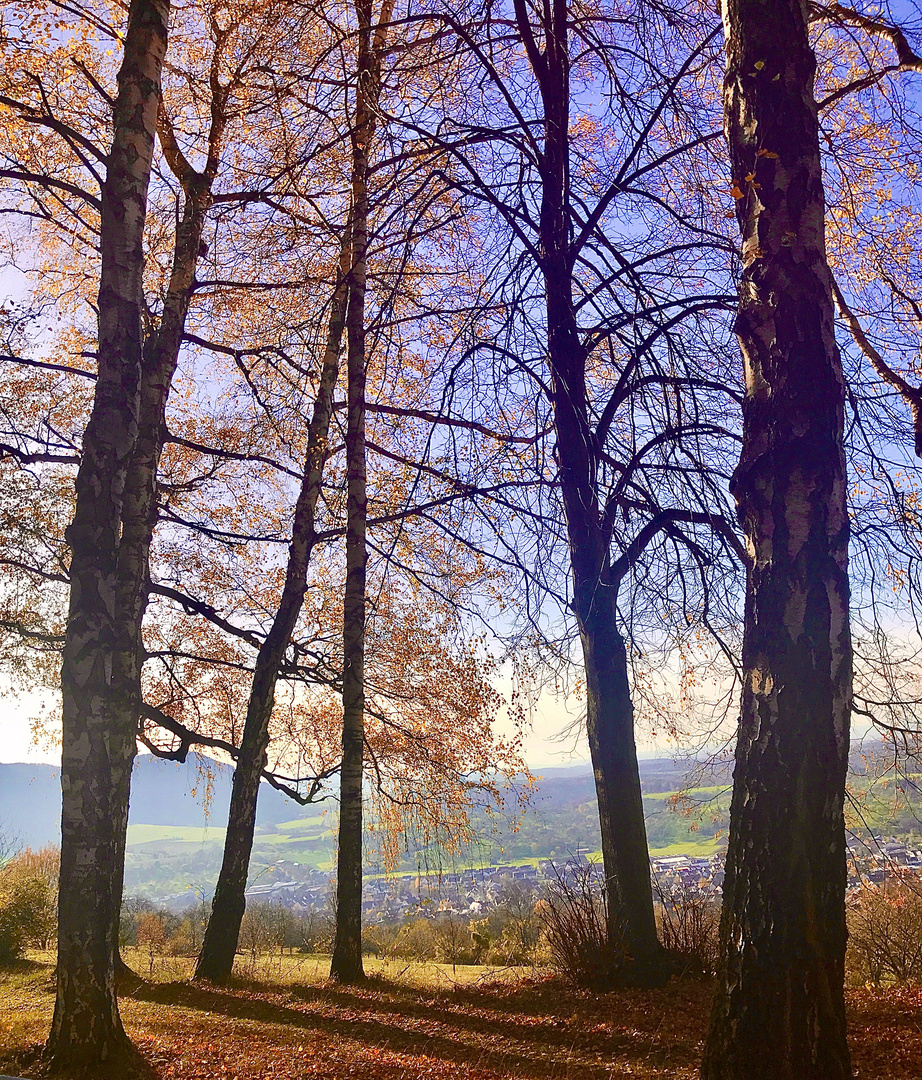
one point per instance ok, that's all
(779, 1011)
(99, 675)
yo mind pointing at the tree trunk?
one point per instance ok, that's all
(99, 676)
(346, 964)
(216, 960)
(630, 920)
(159, 359)
(779, 1011)
(610, 714)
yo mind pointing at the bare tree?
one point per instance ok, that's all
(584, 321)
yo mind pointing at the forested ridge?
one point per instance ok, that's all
(371, 372)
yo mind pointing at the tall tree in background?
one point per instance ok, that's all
(609, 711)
(779, 1009)
(219, 946)
(100, 671)
(346, 963)
(593, 321)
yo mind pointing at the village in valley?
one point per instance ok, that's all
(474, 891)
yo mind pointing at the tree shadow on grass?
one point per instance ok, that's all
(460, 1027)
(546, 1010)
(361, 1025)
(22, 966)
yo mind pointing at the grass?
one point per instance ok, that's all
(181, 834)
(698, 794)
(710, 846)
(317, 824)
(283, 1020)
(292, 832)
(293, 969)
(298, 840)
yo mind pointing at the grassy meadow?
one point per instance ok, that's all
(282, 1019)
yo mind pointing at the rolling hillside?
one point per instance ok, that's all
(176, 823)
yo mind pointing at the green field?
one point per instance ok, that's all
(690, 847)
(168, 860)
(164, 860)
(698, 794)
(139, 835)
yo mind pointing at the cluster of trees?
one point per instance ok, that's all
(157, 932)
(511, 934)
(360, 338)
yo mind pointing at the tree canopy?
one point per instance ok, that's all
(368, 365)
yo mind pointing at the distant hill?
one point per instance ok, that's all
(178, 813)
(30, 804)
(196, 794)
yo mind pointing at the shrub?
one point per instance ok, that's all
(133, 909)
(257, 930)
(152, 937)
(885, 934)
(314, 931)
(454, 943)
(689, 921)
(184, 941)
(28, 901)
(519, 925)
(416, 941)
(379, 939)
(481, 939)
(24, 916)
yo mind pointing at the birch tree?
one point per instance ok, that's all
(100, 668)
(779, 1008)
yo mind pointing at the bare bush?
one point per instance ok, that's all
(152, 937)
(453, 941)
(314, 930)
(572, 913)
(689, 924)
(265, 927)
(379, 939)
(520, 929)
(133, 910)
